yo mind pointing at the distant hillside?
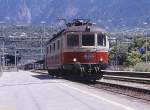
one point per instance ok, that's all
(106, 13)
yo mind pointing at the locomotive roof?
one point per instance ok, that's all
(81, 28)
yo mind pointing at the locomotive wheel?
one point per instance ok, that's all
(64, 73)
(51, 72)
(58, 72)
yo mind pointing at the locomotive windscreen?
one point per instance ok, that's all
(88, 39)
(72, 40)
(101, 39)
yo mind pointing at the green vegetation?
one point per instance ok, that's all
(143, 67)
(131, 54)
(133, 58)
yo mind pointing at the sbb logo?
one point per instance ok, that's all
(88, 56)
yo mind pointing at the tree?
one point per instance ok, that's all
(119, 53)
(133, 58)
(139, 42)
(126, 54)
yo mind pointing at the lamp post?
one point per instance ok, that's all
(15, 58)
(3, 44)
(42, 36)
(146, 48)
(15, 50)
(145, 33)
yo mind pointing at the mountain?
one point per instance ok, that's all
(106, 13)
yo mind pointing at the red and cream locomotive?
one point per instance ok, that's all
(81, 49)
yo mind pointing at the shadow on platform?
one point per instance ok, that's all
(43, 77)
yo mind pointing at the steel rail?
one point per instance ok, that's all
(127, 79)
(127, 74)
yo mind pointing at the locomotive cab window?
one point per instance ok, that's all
(72, 40)
(88, 40)
(101, 38)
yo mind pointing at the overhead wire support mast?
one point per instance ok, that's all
(42, 36)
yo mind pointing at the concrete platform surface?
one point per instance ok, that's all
(29, 91)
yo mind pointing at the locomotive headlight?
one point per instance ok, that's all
(101, 59)
(74, 59)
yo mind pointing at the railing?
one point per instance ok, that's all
(10, 69)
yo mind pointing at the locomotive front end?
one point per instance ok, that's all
(86, 52)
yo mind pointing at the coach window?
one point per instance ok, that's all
(47, 50)
(58, 44)
(88, 40)
(54, 47)
(72, 40)
(101, 38)
(50, 48)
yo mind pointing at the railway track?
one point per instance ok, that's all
(134, 92)
(135, 79)
(128, 79)
(133, 84)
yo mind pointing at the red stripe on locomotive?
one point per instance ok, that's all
(67, 58)
(81, 57)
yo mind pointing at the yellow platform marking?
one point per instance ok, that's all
(7, 108)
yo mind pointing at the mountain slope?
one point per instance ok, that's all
(110, 13)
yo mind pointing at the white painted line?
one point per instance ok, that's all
(100, 98)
